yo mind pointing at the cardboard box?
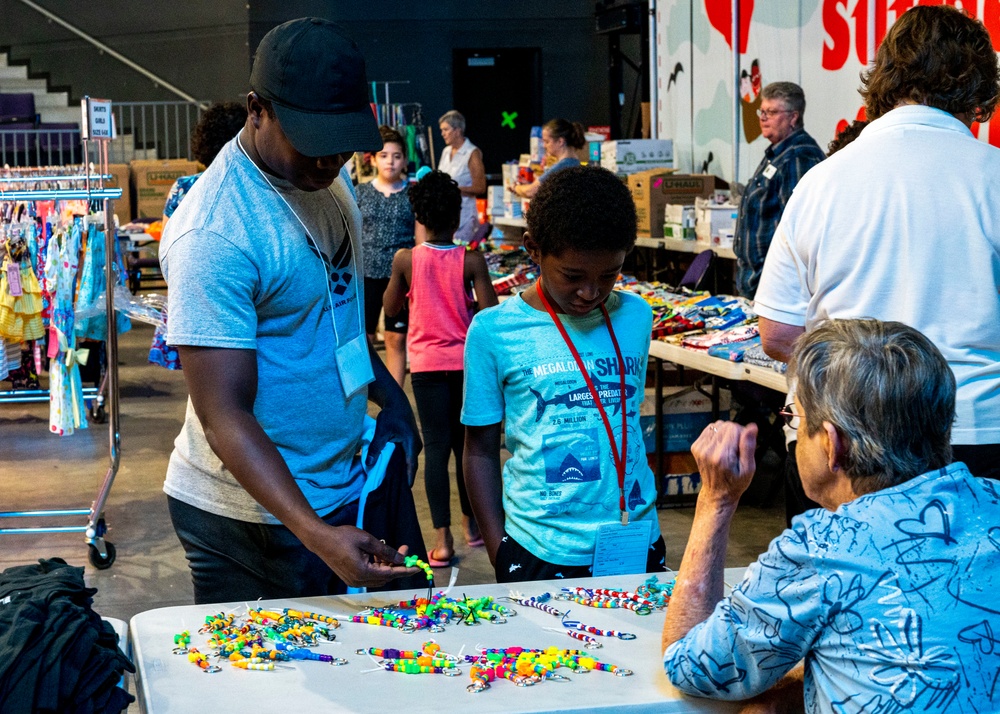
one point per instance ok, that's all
(653, 190)
(152, 181)
(712, 218)
(124, 208)
(680, 213)
(686, 413)
(676, 230)
(629, 156)
(495, 200)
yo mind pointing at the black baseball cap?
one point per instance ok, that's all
(314, 76)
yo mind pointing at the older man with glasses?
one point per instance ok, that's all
(792, 152)
(887, 592)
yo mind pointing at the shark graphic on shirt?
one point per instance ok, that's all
(609, 392)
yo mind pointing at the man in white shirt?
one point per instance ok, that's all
(903, 223)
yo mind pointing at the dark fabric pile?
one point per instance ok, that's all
(56, 654)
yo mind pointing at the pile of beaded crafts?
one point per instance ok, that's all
(526, 667)
(260, 638)
(435, 612)
(428, 660)
(574, 628)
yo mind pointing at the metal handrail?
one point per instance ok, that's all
(108, 51)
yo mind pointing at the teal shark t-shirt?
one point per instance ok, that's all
(560, 483)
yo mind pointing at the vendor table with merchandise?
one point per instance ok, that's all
(716, 366)
(168, 682)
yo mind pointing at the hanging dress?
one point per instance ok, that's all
(66, 406)
(20, 295)
(92, 284)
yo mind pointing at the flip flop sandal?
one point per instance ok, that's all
(438, 563)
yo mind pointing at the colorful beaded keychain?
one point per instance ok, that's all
(525, 667)
(576, 625)
(538, 603)
(429, 660)
(604, 598)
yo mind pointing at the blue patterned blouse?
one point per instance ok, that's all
(892, 601)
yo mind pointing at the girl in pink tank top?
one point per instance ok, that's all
(438, 277)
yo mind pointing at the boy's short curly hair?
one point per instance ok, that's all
(436, 202)
(217, 125)
(937, 56)
(585, 208)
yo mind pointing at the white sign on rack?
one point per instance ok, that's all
(98, 122)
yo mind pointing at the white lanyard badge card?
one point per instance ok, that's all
(354, 363)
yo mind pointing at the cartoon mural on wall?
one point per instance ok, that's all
(822, 45)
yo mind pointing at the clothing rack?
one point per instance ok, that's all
(101, 552)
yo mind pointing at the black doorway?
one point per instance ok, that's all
(500, 93)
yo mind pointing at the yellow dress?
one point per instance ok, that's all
(20, 315)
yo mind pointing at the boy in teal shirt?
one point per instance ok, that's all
(578, 469)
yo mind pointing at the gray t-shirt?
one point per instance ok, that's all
(242, 274)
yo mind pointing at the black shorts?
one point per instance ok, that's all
(374, 290)
(514, 562)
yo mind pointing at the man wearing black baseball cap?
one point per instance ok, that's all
(265, 304)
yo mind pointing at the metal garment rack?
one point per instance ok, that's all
(101, 552)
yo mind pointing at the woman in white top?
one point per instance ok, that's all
(463, 161)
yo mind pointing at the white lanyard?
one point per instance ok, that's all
(353, 360)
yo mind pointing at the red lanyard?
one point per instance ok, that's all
(619, 457)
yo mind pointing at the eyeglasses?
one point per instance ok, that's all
(768, 113)
(790, 417)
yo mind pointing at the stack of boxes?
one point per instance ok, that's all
(629, 156)
(654, 190)
(679, 221)
(715, 223)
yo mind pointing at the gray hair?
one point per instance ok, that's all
(791, 94)
(454, 119)
(888, 391)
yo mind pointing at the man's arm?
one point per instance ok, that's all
(223, 387)
(481, 463)
(479, 273)
(778, 339)
(725, 456)
(395, 421)
(394, 298)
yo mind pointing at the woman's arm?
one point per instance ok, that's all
(527, 190)
(478, 170)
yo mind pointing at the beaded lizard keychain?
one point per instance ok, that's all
(429, 660)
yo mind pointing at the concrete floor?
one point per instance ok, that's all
(41, 471)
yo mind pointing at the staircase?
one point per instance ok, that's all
(53, 107)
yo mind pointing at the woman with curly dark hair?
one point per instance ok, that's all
(217, 126)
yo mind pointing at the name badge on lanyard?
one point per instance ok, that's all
(620, 548)
(354, 364)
